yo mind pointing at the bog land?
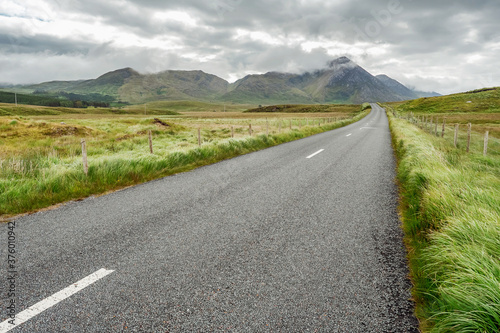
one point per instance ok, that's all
(41, 147)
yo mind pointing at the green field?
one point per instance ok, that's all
(41, 154)
(450, 205)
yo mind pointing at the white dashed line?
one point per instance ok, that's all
(349, 134)
(53, 300)
(316, 153)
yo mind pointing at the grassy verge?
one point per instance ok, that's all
(451, 218)
(50, 172)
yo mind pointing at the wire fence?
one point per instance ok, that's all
(464, 137)
(199, 133)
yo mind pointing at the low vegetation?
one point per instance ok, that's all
(41, 157)
(451, 213)
(299, 108)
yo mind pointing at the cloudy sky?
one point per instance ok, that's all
(446, 46)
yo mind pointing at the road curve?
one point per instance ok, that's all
(302, 237)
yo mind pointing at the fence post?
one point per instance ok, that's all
(84, 157)
(290, 124)
(279, 126)
(267, 127)
(150, 135)
(199, 137)
(444, 124)
(432, 123)
(469, 133)
(485, 151)
(455, 140)
(250, 129)
(232, 132)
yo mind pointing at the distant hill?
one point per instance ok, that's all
(426, 94)
(342, 81)
(106, 85)
(484, 100)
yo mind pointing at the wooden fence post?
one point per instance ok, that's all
(485, 151)
(250, 129)
(290, 124)
(432, 123)
(279, 126)
(267, 127)
(84, 157)
(444, 124)
(455, 140)
(469, 133)
(199, 137)
(232, 132)
(150, 135)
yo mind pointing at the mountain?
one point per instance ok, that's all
(173, 85)
(342, 81)
(396, 86)
(269, 88)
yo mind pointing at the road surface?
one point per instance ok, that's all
(302, 237)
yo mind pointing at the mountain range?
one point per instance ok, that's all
(342, 81)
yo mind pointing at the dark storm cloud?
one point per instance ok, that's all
(429, 43)
(43, 43)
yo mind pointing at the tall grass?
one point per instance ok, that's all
(451, 218)
(41, 180)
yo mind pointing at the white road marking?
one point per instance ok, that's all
(316, 153)
(368, 128)
(349, 134)
(49, 302)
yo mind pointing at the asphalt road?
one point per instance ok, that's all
(271, 241)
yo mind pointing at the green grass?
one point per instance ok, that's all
(40, 156)
(7, 109)
(451, 218)
(482, 100)
(191, 106)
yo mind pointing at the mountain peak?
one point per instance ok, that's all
(340, 62)
(123, 73)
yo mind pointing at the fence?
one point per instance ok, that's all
(462, 136)
(255, 127)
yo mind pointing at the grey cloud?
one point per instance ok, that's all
(432, 37)
(42, 43)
